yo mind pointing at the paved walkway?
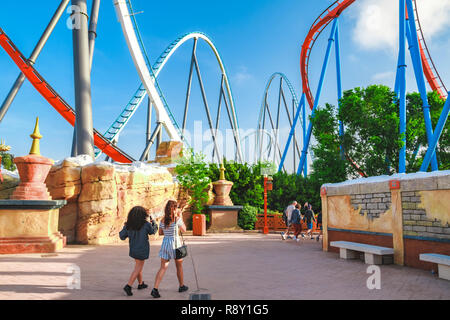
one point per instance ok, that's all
(231, 266)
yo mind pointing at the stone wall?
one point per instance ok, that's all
(100, 196)
(371, 204)
(417, 223)
(407, 212)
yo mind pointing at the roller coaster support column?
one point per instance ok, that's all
(149, 124)
(305, 166)
(82, 75)
(401, 82)
(150, 142)
(208, 114)
(32, 59)
(93, 29)
(339, 85)
(437, 134)
(188, 92)
(418, 70)
(316, 100)
(291, 133)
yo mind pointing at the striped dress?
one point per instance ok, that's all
(170, 241)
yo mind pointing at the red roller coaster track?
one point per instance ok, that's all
(332, 12)
(55, 100)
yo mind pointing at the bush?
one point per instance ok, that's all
(247, 217)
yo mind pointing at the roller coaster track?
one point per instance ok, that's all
(334, 11)
(148, 75)
(273, 142)
(55, 100)
(431, 73)
(140, 94)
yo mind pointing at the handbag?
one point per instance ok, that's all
(181, 251)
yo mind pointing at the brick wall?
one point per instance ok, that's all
(416, 222)
(371, 204)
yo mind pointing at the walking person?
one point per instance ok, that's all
(137, 229)
(319, 225)
(170, 224)
(287, 218)
(296, 221)
(309, 216)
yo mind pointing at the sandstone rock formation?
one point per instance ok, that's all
(100, 196)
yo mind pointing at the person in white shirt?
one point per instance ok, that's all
(287, 221)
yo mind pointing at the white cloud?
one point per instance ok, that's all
(242, 75)
(377, 21)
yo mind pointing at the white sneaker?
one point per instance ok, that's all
(298, 240)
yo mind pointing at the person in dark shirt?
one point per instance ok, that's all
(137, 229)
(296, 221)
(319, 225)
(309, 216)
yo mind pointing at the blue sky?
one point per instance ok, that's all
(254, 37)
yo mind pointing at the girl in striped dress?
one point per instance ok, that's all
(171, 222)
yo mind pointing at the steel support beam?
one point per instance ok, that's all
(437, 134)
(188, 91)
(339, 85)
(420, 79)
(219, 107)
(316, 100)
(82, 79)
(149, 125)
(150, 141)
(208, 114)
(292, 132)
(32, 59)
(93, 29)
(401, 76)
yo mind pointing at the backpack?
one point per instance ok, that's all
(284, 217)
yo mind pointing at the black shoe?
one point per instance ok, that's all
(183, 288)
(155, 293)
(127, 290)
(142, 286)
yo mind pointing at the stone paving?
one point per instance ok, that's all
(230, 266)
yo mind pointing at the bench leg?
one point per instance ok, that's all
(444, 271)
(370, 258)
(347, 254)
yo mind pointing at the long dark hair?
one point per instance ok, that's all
(169, 212)
(136, 218)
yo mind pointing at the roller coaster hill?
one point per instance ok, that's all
(269, 143)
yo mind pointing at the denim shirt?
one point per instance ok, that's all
(139, 246)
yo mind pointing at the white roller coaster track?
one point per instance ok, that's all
(141, 66)
(138, 58)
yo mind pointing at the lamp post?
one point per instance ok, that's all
(267, 187)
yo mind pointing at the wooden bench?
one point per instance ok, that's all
(372, 254)
(442, 261)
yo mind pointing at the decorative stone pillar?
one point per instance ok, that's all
(222, 189)
(33, 169)
(30, 218)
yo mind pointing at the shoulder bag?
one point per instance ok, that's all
(180, 252)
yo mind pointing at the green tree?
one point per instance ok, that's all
(8, 161)
(192, 174)
(328, 166)
(371, 138)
